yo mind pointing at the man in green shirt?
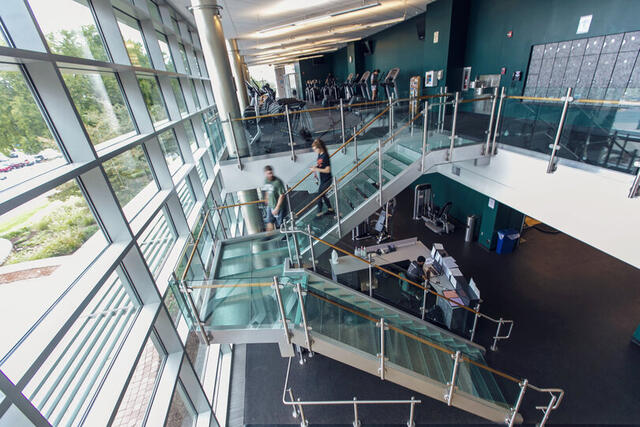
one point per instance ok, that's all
(274, 189)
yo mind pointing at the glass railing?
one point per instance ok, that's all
(287, 128)
(599, 132)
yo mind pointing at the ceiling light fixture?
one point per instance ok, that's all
(288, 26)
(356, 9)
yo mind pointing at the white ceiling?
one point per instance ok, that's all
(247, 20)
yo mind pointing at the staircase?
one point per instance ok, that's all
(344, 324)
(359, 176)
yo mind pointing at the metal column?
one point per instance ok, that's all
(485, 149)
(425, 126)
(503, 94)
(293, 153)
(551, 167)
(380, 181)
(453, 127)
(238, 73)
(209, 24)
(344, 148)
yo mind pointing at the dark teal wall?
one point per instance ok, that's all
(312, 69)
(535, 22)
(340, 62)
(466, 201)
(473, 33)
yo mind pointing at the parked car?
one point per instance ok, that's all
(6, 166)
(38, 158)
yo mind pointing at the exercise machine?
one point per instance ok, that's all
(435, 219)
(389, 83)
(377, 225)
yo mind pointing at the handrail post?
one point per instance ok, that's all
(295, 409)
(546, 411)
(413, 105)
(187, 291)
(551, 167)
(423, 310)
(215, 206)
(303, 420)
(412, 408)
(475, 322)
(454, 377)
(515, 409)
(356, 421)
(485, 149)
(370, 276)
(380, 182)
(633, 191)
(390, 117)
(235, 143)
(382, 327)
(307, 338)
(286, 235)
(286, 111)
(293, 226)
(344, 148)
(285, 326)
(494, 346)
(335, 193)
(453, 127)
(425, 131)
(313, 255)
(355, 147)
(503, 94)
(442, 104)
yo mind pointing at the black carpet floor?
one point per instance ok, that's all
(575, 309)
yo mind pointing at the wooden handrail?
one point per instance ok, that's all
(348, 141)
(360, 104)
(195, 247)
(358, 164)
(241, 204)
(415, 337)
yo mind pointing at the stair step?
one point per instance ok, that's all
(400, 157)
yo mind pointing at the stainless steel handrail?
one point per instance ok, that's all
(300, 403)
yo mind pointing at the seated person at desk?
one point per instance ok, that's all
(416, 272)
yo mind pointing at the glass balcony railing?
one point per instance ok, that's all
(603, 133)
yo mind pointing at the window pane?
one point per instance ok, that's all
(59, 231)
(173, 308)
(156, 241)
(183, 53)
(185, 194)
(177, 92)
(27, 147)
(191, 136)
(198, 70)
(171, 151)
(181, 412)
(154, 11)
(214, 132)
(135, 403)
(64, 385)
(3, 42)
(197, 351)
(176, 27)
(133, 40)
(72, 33)
(202, 173)
(153, 98)
(99, 100)
(196, 100)
(132, 181)
(166, 53)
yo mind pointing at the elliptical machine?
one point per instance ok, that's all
(389, 84)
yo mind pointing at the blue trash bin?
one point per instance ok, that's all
(507, 240)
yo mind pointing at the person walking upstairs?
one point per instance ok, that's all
(323, 169)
